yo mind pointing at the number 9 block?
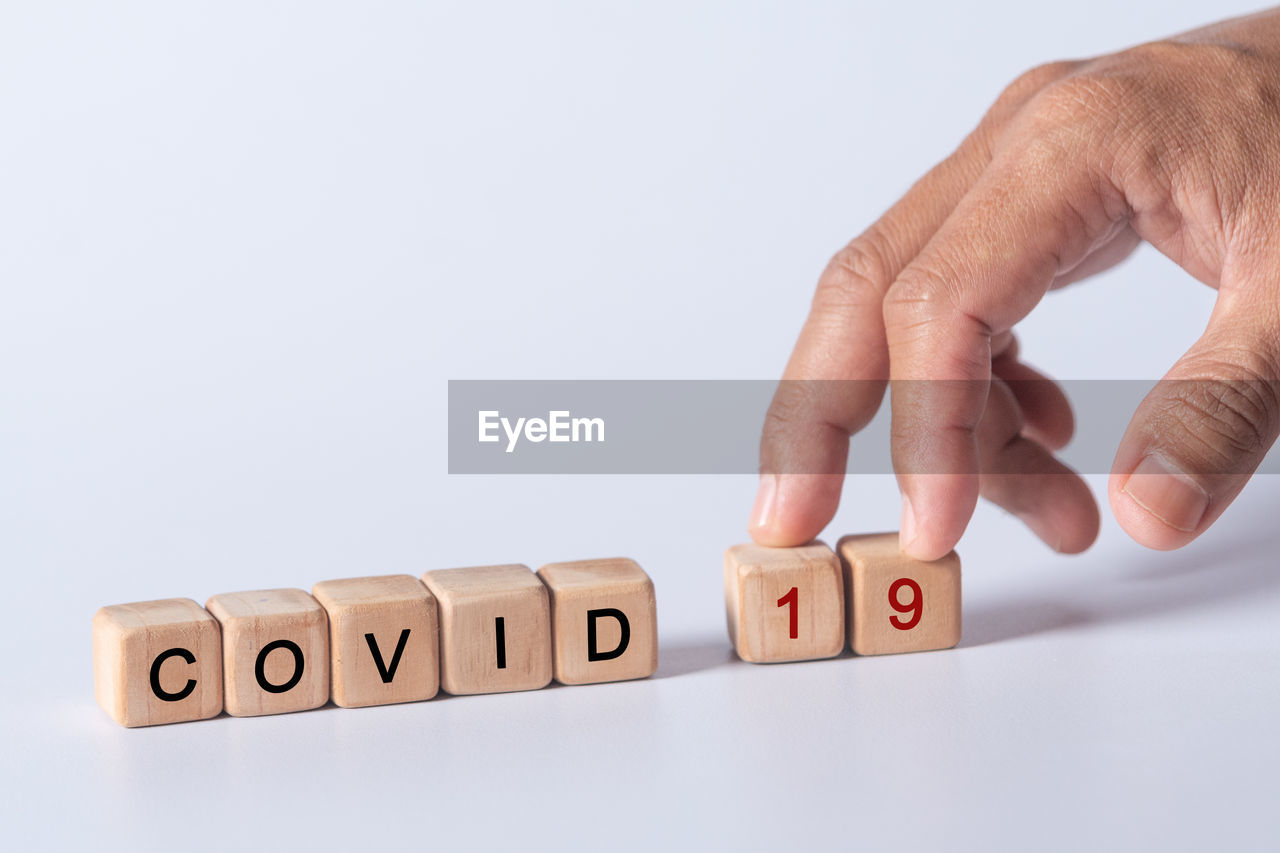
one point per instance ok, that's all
(894, 603)
(784, 604)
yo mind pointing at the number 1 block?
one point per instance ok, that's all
(895, 603)
(784, 604)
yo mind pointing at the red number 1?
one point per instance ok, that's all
(792, 598)
(915, 606)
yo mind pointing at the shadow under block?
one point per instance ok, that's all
(784, 604)
(896, 603)
(495, 629)
(604, 621)
(383, 640)
(275, 651)
(157, 662)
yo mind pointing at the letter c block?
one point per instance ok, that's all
(157, 662)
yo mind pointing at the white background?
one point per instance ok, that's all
(244, 246)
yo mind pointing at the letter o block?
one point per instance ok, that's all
(604, 621)
(157, 662)
(784, 604)
(275, 651)
(896, 603)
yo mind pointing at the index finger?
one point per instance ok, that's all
(805, 443)
(1032, 214)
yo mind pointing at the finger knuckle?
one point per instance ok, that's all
(915, 297)
(783, 412)
(856, 277)
(1230, 418)
(1086, 96)
(1033, 80)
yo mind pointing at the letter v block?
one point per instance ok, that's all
(383, 640)
(157, 662)
(495, 629)
(784, 604)
(275, 651)
(604, 621)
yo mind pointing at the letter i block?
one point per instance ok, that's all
(495, 629)
(275, 651)
(604, 621)
(784, 604)
(896, 603)
(383, 638)
(157, 662)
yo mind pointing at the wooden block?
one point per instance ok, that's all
(495, 629)
(383, 640)
(157, 662)
(897, 604)
(604, 621)
(784, 604)
(275, 651)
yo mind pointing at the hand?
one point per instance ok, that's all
(1175, 142)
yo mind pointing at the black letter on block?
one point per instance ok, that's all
(387, 674)
(623, 624)
(500, 634)
(160, 692)
(260, 667)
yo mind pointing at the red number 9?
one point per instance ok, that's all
(915, 606)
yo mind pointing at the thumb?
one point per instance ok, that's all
(1203, 431)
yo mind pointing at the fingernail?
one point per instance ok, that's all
(762, 512)
(1167, 492)
(907, 534)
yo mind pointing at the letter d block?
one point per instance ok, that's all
(275, 651)
(157, 662)
(604, 621)
(384, 640)
(784, 604)
(898, 604)
(495, 629)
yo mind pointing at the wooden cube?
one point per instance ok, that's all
(383, 640)
(604, 621)
(275, 651)
(495, 629)
(784, 604)
(895, 603)
(157, 662)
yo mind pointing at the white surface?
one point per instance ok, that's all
(244, 250)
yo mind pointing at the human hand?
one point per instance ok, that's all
(1177, 143)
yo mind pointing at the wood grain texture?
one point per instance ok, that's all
(471, 601)
(579, 588)
(756, 577)
(384, 608)
(872, 564)
(253, 621)
(127, 641)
